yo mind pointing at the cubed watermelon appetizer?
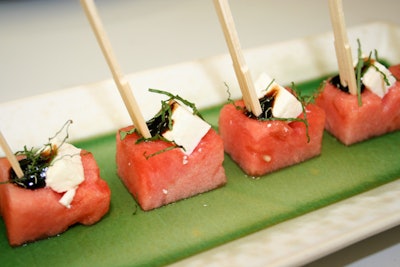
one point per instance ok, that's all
(260, 147)
(156, 176)
(350, 122)
(30, 215)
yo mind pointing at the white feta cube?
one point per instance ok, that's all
(65, 172)
(374, 79)
(286, 105)
(187, 130)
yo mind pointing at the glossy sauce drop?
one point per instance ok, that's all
(335, 81)
(34, 173)
(160, 123)
(266, 103)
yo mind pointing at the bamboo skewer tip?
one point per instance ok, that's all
(342, 47)
(11, 157)
(240, 67)
(122, 85)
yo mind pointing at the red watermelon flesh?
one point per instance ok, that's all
(260, 147)
(395, 70)
(351, 123)
(170, 175)
(31, 215)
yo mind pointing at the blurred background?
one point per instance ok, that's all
(48, 45)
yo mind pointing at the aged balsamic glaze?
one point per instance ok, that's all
(34, 173)
(335, 81)
(266, 103)
(159, 123)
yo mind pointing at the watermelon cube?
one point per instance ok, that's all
(260, 147)
(31, 215)
(351, 123)
(156, 177)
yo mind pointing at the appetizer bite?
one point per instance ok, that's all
(61, 186)
(372, 111)
(288, 131)
(182, 158)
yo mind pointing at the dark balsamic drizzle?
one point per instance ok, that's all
(34, 166)
(161, 123)
(364, 63)
(335, 81)
(34, 174)
(35, 163)
(266, 103)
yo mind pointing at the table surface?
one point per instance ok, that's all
(42, 40)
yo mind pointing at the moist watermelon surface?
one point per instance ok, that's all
(351, 123)
(31, 215)
(395, 70)
(260, 147)
(171, 175)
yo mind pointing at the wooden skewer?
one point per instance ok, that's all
(11, 157)
(342, 47)
(241, 69)
(123, 86)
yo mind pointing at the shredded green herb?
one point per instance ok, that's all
(362, 66)
(359, 67)
(177, 97)
(147, 156)
(269, 85)
(230, 100)
(35, 162)
(162, 121)
(304, 101)
(124, 134)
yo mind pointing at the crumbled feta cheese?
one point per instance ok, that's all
(188, 129)
(67, 198)
(65, 172)
(374, 79)
(286, 105)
